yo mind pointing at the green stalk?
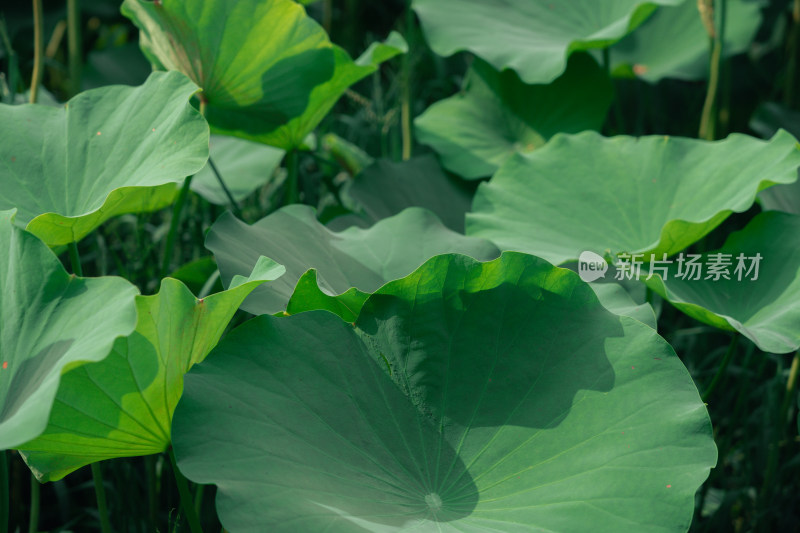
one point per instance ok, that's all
(33, 523)
(741, 395)
(13, 65)
(607, 60)
(234, 204)
(708, 117)
(791, 389)
(186, 496)
(74, 41)
(177, 209)
(780, 432)
(724, 114)
(791, 65)
(327, 15)
(198, 499)
(379, 113)
(152, 491)
(616, 107)
(722, 367)
(405, 99)
(351, 29)
(5, 494)
(100, 492)
(38, 49)
(707, 121)
(205, 290)
(405, 115)
(75, 259)
(174, 222)
(293, 177)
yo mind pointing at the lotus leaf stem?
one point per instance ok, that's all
(722, 367)
(4, 492)
(33, 522)
(38, 49)
(187, 504)
(74, 42)
(708, 118)
(100, 493)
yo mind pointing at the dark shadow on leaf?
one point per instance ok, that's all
(100, 388)
(286, 89)
(334, 434)
(30, 375)
(513, 357)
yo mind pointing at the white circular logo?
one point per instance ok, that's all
(591, 266)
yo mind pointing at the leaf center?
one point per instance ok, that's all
(434, 501)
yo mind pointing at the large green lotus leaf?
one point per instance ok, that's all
(349, 263)
(673, 43)
(254, 78)
(386, 188)
(272, 80)
(244, 165)
(50, 322)
(468, 397)
(625, 195)
(497, 115)
(768, 118)
(109, 151)
(533, 37)
(616, 299)
(346, 73)
(784, 198)
(122, 406)
(766, 310)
